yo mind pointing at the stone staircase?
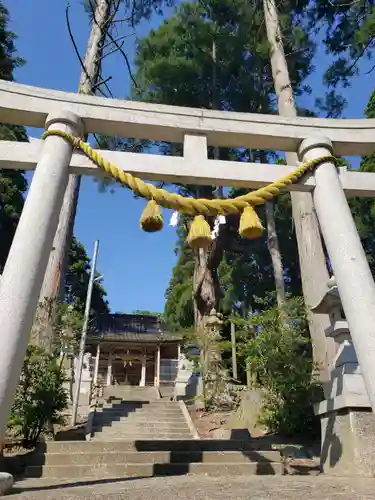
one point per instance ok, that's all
(80, 461)
(136, 414)
(136, 433)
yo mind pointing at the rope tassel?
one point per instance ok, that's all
(250, 224)
(152, 218)
(200, 233)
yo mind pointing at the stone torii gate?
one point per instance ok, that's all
(53, 160)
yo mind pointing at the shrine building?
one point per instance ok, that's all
(133, 349)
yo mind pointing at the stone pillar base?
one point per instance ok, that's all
(348, 442)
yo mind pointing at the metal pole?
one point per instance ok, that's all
(234, 353)
(84, 334)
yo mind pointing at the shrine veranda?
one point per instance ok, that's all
(54, 159)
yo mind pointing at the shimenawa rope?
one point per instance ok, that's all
(200, 231)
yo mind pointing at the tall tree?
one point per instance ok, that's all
(12, 183)
(54, 278)
(312, 258)
(106, 18)
(175, 66)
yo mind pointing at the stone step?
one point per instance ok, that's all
(139, 430)
(144, 416)
(135, 417)
(133, 389)
(142, 434)
(157, 426)
(138, 404)
(177, 422)
(149, 470)
(130, 400)
(153, 457)
(133, 444)
(153, 411)
(147, 411)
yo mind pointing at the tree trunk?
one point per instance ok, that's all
(205, 287)
(54, 279)
(274, 250)
(273, 245)
(314, 272)
(205, 281)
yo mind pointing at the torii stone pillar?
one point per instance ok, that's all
(348, 259)
(28, 257)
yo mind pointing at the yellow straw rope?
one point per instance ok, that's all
(184, 204)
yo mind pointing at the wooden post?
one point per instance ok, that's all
(96, 369)
(142, 382)
(351, 270)
(109, 368)
(28, 257)
(157, 362)
(234, 352)
(248, 375)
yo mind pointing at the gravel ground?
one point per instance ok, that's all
(201, 488)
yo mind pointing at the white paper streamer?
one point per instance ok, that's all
(174, 219)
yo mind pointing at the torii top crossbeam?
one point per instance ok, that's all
(30, 106)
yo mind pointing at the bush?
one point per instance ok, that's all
(40, 396)
(280, 358)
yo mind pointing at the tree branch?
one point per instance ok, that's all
(113, 40)
(102, 82)
(116, 49)
(113, 15)
(126, 60)
(117, 40)
(74, 43)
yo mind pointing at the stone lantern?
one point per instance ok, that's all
(347, 421)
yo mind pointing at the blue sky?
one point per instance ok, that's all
(136, 266)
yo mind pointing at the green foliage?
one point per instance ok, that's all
(58, 325)
(280, 358)
(145, 312)
(217, 391)
(40, 396)
(67, 329)
(175, 64)
(349, 35)
(9, 60)
(77, 279)
(179, 305)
